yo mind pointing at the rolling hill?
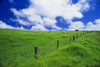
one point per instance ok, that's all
(17, 48)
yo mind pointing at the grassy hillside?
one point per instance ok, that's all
(17, 49)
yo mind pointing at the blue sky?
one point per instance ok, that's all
(50, 15)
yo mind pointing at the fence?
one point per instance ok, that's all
(71, 39)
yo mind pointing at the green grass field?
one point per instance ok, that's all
(17, 49)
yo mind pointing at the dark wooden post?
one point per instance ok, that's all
(76, 36)
(70, 40)
(36, 51)
(57, 43)
(83, 33)
(73, 38)
(87, 31)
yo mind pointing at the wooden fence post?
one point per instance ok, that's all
(81, 35)
(73, 38)
(70, 40)
(87, 32)
(36, 51)
(76, 36)
(57, 43)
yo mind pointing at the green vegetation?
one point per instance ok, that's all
(17, 49)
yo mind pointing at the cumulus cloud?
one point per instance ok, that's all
(76, 25)
(93, 25)
(64, 8)
(43, 12)
(80, 25)
(3, 25)
(97, 21)
(16, 13)
(39, 28)
(22, 22)
(20, 28)
(49, 22)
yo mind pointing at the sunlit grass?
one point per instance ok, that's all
(17, 49)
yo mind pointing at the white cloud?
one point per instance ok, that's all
(22, 22)
(54, 8)
(49, 10)
(56, 29)
(49, 22)
(29, 14)
(76, 25)
(93, 25)
(17, 13)
(20, 28)
(39, 28)
(97, 21)
(80, 25)
(3, 25)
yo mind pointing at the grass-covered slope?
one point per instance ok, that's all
(17, 49)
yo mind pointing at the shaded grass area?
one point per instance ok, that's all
(17, 49)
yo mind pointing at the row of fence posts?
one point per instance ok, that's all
(70, 40)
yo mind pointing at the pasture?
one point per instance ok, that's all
(17, 48)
